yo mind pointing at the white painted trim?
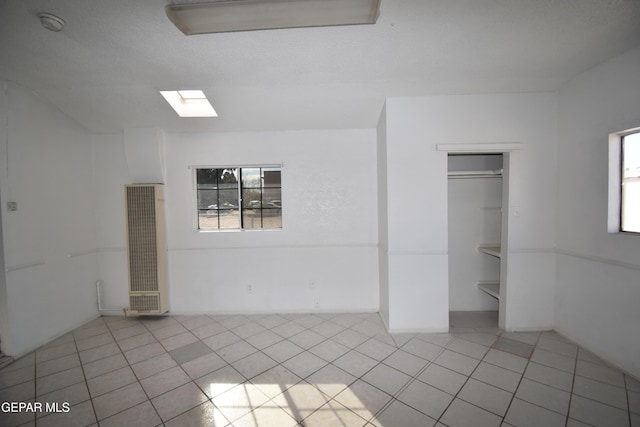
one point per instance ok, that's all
(419, 331)
(224, 248)
(481, 147)
(614, 186)
(121, 249)
(81, 253)
(25, 265)
(609, 261)
(532, 251)
(427, 253)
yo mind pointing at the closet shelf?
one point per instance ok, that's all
(493, 250)
(491, 288)
(475, 174)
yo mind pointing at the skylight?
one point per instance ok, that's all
(189, 103)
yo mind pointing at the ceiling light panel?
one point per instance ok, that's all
(247, 15)
(189, 103)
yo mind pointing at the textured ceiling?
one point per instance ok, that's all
(105, 68)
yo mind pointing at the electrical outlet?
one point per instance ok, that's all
(12, 206)
(312, 284)
(316, 303)
(249, 289)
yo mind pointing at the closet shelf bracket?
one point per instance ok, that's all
(491, 288)
(493, 250)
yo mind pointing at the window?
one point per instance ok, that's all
(630, 197)
(624, 182)
(233, 198)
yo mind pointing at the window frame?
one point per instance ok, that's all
(616, 171)
(240, 190)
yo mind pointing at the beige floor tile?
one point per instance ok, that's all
(496, 376)
(329, 350)
(397, 414)
(304, 364)
(363, 399)
(59, 380)
(142, 415)
(220, 381)
(136, 341)
(457, 362)
(178, 401)
(275, 381)
(462, 414)
(78, 415)
(164, 381)
(387, 379)
(524, 414)
(549, 376)
(423, 349)
(196, 368)
(405, 362)
(602, 373)
(426, 399)
(602, 392)
(118, 400)
(331, 380)
(376, 349)
(486, 396)
(506, 360)
(543, 395)
(254, 364)
(56, 365)
(111, 381)
(468, 348)
(554, 360)
(333, 414)
(267, 415)
(103, 366)
(239, 400)
(205, 414)
(153, 365)
(442, 378)
(355, 363)
(301, 400)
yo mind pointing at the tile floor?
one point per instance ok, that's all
(314, 370)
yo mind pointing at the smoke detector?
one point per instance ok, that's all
(51, 22)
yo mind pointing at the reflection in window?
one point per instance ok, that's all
(239, 198)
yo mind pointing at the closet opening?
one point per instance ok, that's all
(476, 239)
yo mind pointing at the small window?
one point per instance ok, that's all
(624, 182)
(630, 192)
(235, 198)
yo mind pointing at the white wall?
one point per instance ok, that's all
(417, 194)
(329, 217)
(49, 242)
(111, 175)
(598, 281)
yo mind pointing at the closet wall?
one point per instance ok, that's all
(474, 219)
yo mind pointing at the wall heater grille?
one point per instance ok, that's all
(146, 249)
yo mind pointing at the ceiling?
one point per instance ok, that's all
(106, 67)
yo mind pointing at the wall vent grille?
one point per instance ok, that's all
(143, 251)
(146, 249)
(144, 303)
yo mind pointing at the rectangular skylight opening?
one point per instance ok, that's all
(189, 103)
